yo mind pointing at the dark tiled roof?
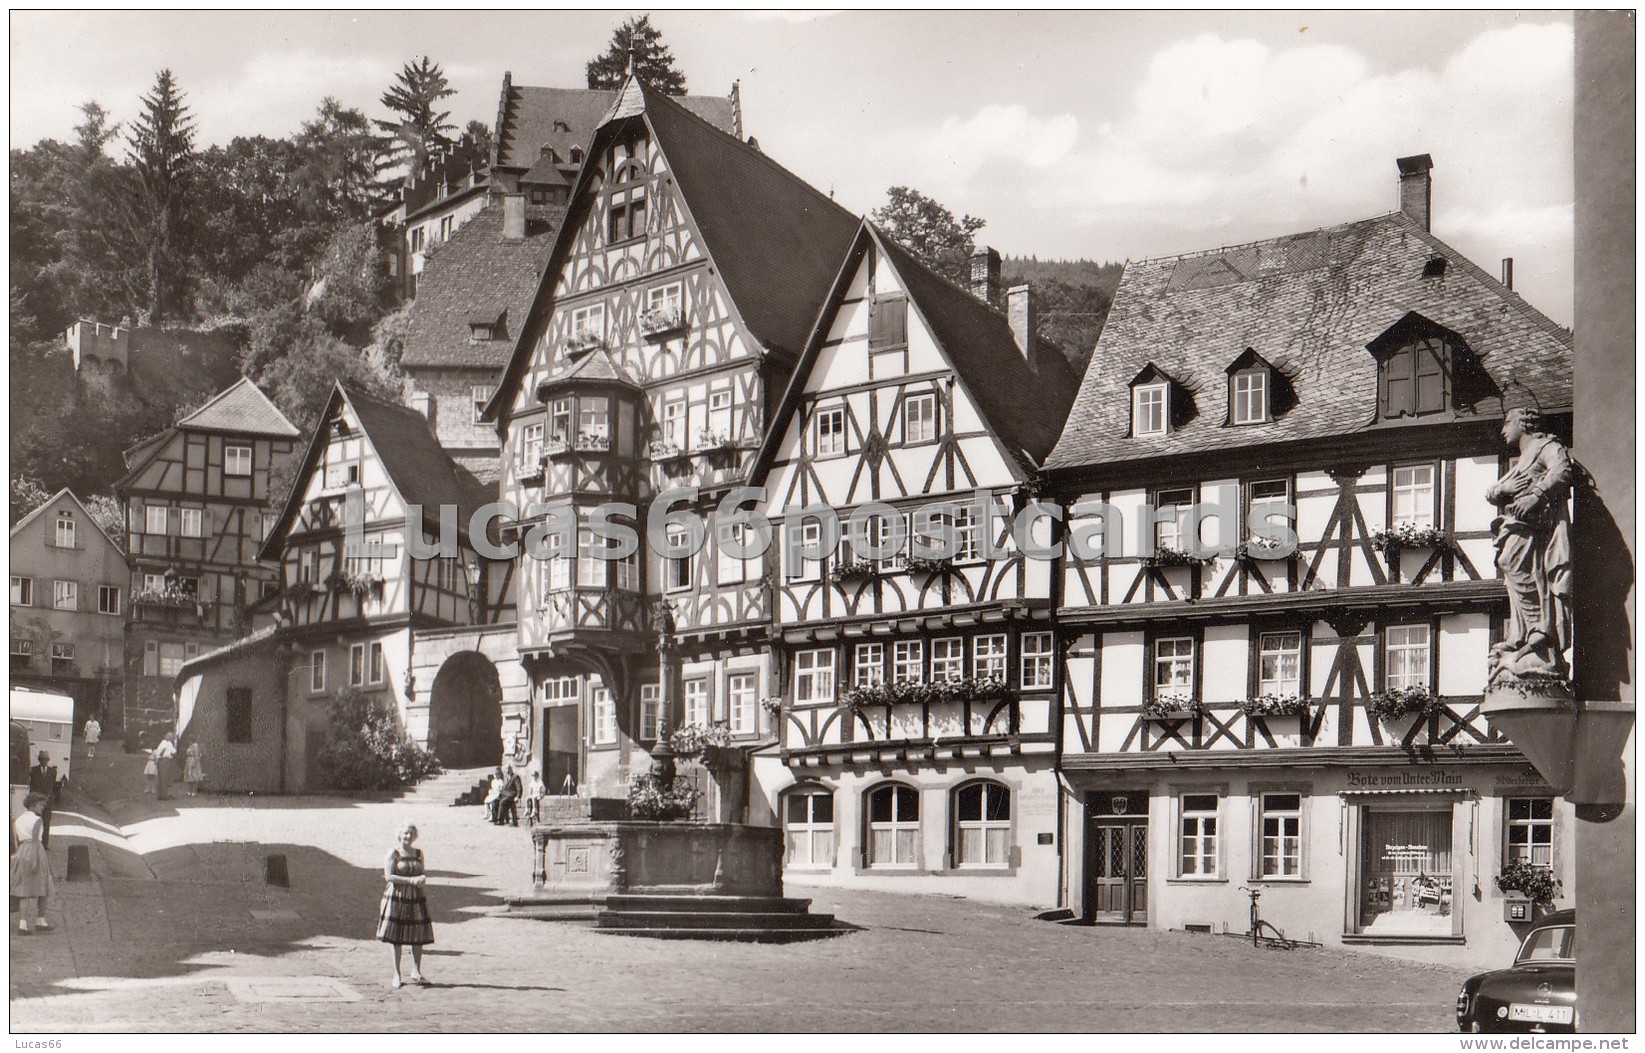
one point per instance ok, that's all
(1024, 404)
(244, 409)
(1309, 304)
(595, 366)
(422, 472)
(477, 273)
(528, 117)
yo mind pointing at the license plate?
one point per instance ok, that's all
(1540, 1014)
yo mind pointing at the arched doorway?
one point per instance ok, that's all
(465, 726)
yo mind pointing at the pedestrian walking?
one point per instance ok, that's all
(534, 790)
(493, 792)
(164, 757)
(507, 812)
(43, 781)
(30, 870)
(402, 918)
(94, 734)
(193, 773)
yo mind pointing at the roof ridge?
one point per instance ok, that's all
(951, 283)
(1204, 253)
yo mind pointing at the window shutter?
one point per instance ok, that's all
(1430, 376)
(888, 322)
(1397, 384)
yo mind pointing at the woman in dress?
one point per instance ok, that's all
(403, 917)
(193, 773)
(151, 773)
(30, 873)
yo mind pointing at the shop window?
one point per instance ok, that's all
(1530, 836)
(988, 656)
(1413, 502)
(1280, 823)
(651, 705)
(982, 825)
(1406, 656)
(1279, 664)
(605, 716)
(1197, 836)
(814, 677)
(808, 826)
(697, 703)
(237, 709)
(1405, 871)
(1036, 661)
(741, 702)
(893, 827)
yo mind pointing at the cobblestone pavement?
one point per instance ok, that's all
(177, 931)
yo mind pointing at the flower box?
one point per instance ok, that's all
(1169, 705)
(665, 451)
(713, 440)
(1392, 541)
(922, 692)
(929, 564)
(169, 599)
(360, 585)
(657, 320)
(1535, 883)
(1165, 556)
(1401, 702)
(585, 340)
(852, 570)
(1273, 706)
(1259, 549)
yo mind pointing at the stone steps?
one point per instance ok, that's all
(731, 935)
(680, 919)
(453, 787)
(691, 903)
(743, 919)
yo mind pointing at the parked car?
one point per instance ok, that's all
(1537, 993)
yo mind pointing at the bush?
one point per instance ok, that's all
(365, 748)
(648, 798)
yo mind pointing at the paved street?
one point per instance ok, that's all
(177, 931)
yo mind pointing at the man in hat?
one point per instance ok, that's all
(43, 780)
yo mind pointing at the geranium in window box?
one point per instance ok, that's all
(359, 585)
(975, 689)
(172, 599)
(656, 320)
(1255, 549)
(1535, 883)
(555, 445)
(665, 451)
(1273, 705)
(1395, 539)
(1166, 556)
(852, 570)
(858, 697)
(584, 340)
(713, 440)
(772, 704)
(929, 564)
(1172, 705)
(1400, 702)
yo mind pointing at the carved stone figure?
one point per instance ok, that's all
(1533, 543)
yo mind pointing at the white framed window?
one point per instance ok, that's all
(988, 656)
(908, 660)
(808, 568)
(594, 420)
(559, 563)
(677, 570)
(1266, 496)
(732, 569)
(808, 827)
(1413, 495)
(967, 549)
(651, 707)
(236, 460)
(531, 447)
(605, 716)
(628, 571)
(559, 422)
(869, 667)
(157, 582)
(1148, 410)
(947, 659)
(562, 690)
(893, 826)
(1197, 835)
(698, 703)
(65, 595)
(814, 676)
(1280, 847)
(591, 566)
(828, 436)
(588, 322)
(1248, 396)
(316, 672)
(982, 825)
(719, 412)
(1037, 658)
(365, 664)
(742, 701)
(478, 396)
(62, 652)
(665, 304)
(108, 599)
(675, 422)
(190, 522)
(919, 418)
(22, 647)
(1171, 531)
(154, 519)
(1530, 831)
(1279, 663)
(1174, 664)
(64, 533)
(877, 534)
(1406, 656)
(22, 590)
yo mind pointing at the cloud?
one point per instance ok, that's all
(275, 84)
(796, 17)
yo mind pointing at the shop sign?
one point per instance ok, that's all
(1414, 780)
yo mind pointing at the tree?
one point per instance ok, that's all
(106, 511)
(930, 231)
(336, 164)
(27, 494)
(415, 130)
(160, 149)
(639, 39)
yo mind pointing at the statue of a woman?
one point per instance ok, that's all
(1533, 543)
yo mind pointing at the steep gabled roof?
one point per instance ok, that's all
(1309, 304)
(531, 118)
(244, 409)
(477, 272)
(420, 471)
(775, 240)
(84, 511)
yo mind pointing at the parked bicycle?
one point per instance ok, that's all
(1264, 934)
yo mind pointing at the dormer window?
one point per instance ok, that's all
(1150, 409)
(1423, 368)
(485, 328)
(1248, 396)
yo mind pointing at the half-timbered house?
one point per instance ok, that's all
(1301, 720)
(918, 707)
(196, 504)
(679, 292)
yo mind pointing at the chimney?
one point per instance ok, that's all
(985, 276)
(1508, 272)
(514, 216)
(1416, 188)
(1019, 307)
(737, 108)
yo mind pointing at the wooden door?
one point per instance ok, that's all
(1118, 869)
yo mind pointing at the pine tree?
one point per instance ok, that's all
(160, 149)
(652, 61)
(415, 131)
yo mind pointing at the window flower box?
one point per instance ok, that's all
(167, 599)
(1273, 706)
(852, 570)
(582, 340)
(1535, 883)
(1172, 705)
(1401, 702)
(1395, 539)
(1254, 549)
(666, 451)
(360, 585)
(773, 705)
(1165, 556)
(929, 564)
(713, 440)
(555, 445)
(657, 320)
(922, 692)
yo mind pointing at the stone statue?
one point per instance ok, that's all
(1533, 543)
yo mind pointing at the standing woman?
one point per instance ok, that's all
(30, 872)
(193, 773)
(403, 917)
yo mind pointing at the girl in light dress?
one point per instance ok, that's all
(402, 917)
(31, 880)
(193, 773)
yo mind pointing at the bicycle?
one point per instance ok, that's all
(1258, 939)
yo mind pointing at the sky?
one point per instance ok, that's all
(1104, 135)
